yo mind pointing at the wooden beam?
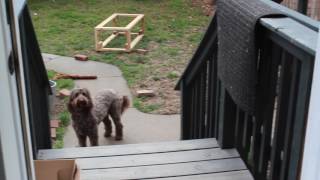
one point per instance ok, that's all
(128, 44)
(101, 45)
(135, 21)
(124, 33)
(136, 40)
(112, 28)
(107, 20)
(112, 49)
(128, 15)
(96, 37)
(109, 39)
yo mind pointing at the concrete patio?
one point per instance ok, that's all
(138, 127)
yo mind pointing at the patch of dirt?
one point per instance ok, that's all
(208, 6)
(160, 80)
(58, 107)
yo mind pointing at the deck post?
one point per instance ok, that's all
(227, 119)
(303, 6)
(185, 128)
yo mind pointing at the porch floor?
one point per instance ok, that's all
(191, 159)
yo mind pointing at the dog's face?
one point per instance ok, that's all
(80, 101)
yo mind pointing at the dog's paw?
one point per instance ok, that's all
(118, 138)
(106, 135)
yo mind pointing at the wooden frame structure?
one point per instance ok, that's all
(101, 45)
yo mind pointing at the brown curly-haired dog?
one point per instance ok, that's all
(87, 113)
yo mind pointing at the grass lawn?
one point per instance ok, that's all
(173, 30)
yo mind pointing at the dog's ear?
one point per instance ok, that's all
(70, 102)
(87, 94)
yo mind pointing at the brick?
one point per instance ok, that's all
(53, 133)
(64, 93)
(54, 123)
(148, 93)
(81, 57)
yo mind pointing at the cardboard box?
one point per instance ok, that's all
(56, 170)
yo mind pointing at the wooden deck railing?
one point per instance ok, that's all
(271, 142)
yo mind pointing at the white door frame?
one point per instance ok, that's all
(311, 155)
(14, 137)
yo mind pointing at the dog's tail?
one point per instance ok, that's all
(125, 103)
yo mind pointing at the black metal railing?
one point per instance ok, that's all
(271, 141)
(37, 84)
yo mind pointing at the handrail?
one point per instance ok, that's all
(271, 141)
(305, 20)
(307, 25)
(301, 36)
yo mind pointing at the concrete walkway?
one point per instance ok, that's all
(138, 127)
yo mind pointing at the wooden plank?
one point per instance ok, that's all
(217, 107)
(112, 28)
(185, 110)
(300, 117)
(302, 40)
(129, 149)
(124, 33)
(128, 44)
(239, 132)
(106, 21)
(196, 107)
(289, 118)
(202, 101)
(303, 6)
(232, 175)
(281, 117)
(136, 40)
(156, 159)
(212, 91)
(246, 139)
(264, 109)
(135, 21)
(128, 15)
(112, 49)
(168, 170)
(193, 110)
(97, 40)
(227, 117)
(109, 39)
(269, 81)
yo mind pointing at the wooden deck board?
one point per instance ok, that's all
(232, 175)
(130, 149)
(192, 159)
(165, 170)
(157, 158)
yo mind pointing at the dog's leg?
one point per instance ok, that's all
(94, 140)
(82, 140)
(115, 113)
(119, 128)
(117, 122)
(93, 137)
(107, 126)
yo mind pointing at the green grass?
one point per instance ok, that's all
(63, 116)
(65, 83)
(138, 103)
(61, 83)
(173, 30)
(172, 75)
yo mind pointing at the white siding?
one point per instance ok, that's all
(10, 121)
(311, 159)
